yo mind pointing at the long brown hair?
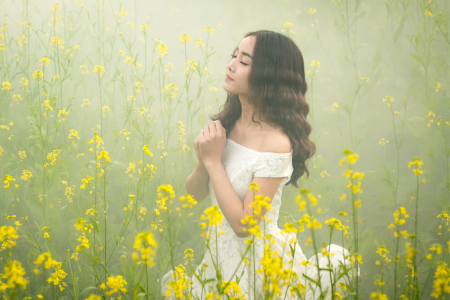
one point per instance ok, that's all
(277, 87)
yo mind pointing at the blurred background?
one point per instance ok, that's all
(146, 76)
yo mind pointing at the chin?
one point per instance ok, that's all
(224, 87)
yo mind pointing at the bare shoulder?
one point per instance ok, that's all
(277, 142)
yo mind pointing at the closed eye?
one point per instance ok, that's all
(233, 56)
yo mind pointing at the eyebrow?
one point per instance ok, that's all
(245, 53)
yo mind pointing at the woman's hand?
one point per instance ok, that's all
(212, 142)
(197, 147)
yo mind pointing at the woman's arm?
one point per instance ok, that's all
(197, 183)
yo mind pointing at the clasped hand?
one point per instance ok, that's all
(211, 142)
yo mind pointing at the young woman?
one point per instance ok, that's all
(261, 136)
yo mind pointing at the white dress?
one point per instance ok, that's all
(242, 164)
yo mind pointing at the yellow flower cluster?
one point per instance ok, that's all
(86, 181)
(38, 74)
(26, 175)
(146, 150)
(73, 134)
(310, 196)
(441, 283)
(170, 86)
(214, 216)
(79, 225)
(389, 99)
(382, 250)
(181, 130)
(232, 289)
(7, 236)
(162, 202)
(7, 179)
(115, 284)
(310, 221)
(378, 296)
(52, 156)
(57, 276)
(253, 225)
(146, 244)
(274, 272)
(418, 164)
(99, 69)
(13, 272)
(7, 86)
(179, 284)
(335, 223)
(84, 242)
(104, 154)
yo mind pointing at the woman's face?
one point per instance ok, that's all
(239, 67)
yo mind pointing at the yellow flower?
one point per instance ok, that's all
(146, 244)
(418, 164)
(99, 69)
(212, 214)
(7, 86)
(14, 273)
(115, 283)
(146, 150)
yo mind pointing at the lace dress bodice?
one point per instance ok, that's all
(241, 165)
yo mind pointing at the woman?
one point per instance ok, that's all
(260, 136)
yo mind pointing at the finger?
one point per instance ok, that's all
(212, 128)
(219, 128)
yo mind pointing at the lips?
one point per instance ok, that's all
(229, 77)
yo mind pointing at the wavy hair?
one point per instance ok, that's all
(277, 90)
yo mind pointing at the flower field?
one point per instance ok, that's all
(100, 103)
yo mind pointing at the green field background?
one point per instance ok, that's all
(378, 77)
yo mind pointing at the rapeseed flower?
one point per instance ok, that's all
(13, 272)
(146, 244)
(8, 236)
(115, 284)
(418, 164)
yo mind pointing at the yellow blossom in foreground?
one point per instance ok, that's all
(115, 284)
(146, 244)
(14, 273)
(212, 214)
(179, 283)
(7, 236)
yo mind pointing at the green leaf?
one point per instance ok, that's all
(95, 224)
(387, 8)
(346, 108)
(417, 126)
(343, 273)
(200, 89)
(310, 279)
(89, 288)
(116, 137)
(417, 57)
(52, 101)
(399, 30)
(390, 185)
(135, 124)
